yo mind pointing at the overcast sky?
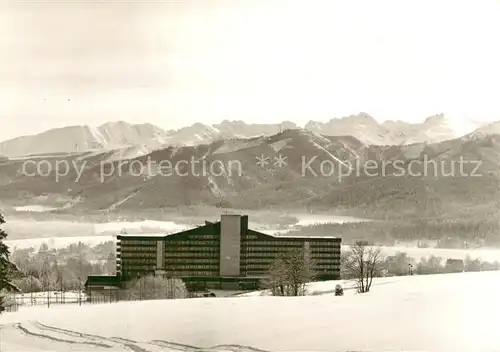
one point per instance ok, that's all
(176, 63)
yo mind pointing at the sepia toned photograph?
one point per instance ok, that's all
(250, 175)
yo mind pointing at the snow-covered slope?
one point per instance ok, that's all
(130, 140)
(113, 135)
(439, 128)
(434, 129)
(66, 139)
(199, 133)
(361, 126)
(486, 130)
(445, 313)
(195, 134)
(240, 129)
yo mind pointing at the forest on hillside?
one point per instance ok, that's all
(446, 233)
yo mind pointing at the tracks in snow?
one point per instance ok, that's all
(64, 337)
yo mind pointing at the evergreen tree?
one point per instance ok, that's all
(6, 268)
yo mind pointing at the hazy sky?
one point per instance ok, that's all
(175, 63)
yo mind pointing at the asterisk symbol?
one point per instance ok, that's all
(280, 161)
(262, 161)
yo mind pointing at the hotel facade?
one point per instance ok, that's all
(224, 255)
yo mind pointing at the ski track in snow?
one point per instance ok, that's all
(60, 338)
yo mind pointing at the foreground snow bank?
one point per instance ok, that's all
(453, 312)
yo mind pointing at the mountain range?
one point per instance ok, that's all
(130, 140)
(127, 140)
(457, 178)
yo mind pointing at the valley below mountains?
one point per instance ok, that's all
(448, 190)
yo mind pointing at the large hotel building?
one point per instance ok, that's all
(224, 255)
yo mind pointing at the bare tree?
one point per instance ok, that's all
(430, 265)
(46, 279)
(157, 287)
(276, 281)
(289, 274)
(29, 284)
(59, 285)
(399, 264)
(362, 263)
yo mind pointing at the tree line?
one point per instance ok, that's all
(447, 233)
(7, 269)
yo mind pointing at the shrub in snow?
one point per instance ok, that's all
(155, 287)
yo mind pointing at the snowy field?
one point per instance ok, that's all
(34, 209)
(451, 312)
